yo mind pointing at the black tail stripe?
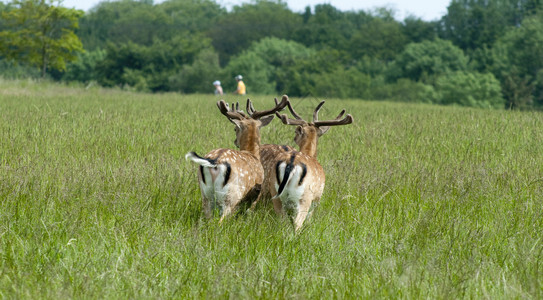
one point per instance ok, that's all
(285, 179)
(227, 174)
(277, 171)
(288, 169)
(304, 172)
(292, 157)
(202, 172)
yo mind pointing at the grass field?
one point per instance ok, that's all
(97, 201)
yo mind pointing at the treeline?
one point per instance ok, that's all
(482, 53)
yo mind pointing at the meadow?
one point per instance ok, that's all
(98, 202)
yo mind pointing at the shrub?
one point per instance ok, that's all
(427, 60)
(83, 69)
(470, 89)
(342, 83)
(198, 76)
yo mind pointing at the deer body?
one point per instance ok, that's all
(294, 179)
(298, 186)
(227, 177)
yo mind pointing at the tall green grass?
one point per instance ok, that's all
(97, 201)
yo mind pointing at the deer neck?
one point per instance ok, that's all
(308, 146)
(251, 142)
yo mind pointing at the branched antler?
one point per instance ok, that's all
(299, 121)
(232, 113)
(259, 114)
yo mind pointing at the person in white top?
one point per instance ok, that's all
(218, 87)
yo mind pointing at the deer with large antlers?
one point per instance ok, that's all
(295, 180)
(227, 177)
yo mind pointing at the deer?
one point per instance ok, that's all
(229, 177)
(294, 180)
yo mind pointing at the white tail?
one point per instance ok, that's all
(200, 160)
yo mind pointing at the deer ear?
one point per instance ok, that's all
(266, 120)
(236, 122)
(322, 130)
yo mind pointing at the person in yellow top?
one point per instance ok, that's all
(241, 86)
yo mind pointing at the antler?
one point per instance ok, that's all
(259, 114)
(287, 121)
(299, 121)
(230, 113)
(347, 120)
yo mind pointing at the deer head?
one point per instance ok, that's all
(307, 133)
(248, 125)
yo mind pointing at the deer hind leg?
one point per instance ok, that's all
(213, 188)
(304, 212)
(292, 193)
(253, 196)
(278, 206)
(207, 190)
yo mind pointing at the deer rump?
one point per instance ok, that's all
(219, 180)
(298, 183)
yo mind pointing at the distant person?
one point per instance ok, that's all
(218, 87)
(241, 86)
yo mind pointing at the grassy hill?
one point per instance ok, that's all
(97, 201)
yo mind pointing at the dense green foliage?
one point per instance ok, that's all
(40, 34)
(421, 202)
(470, 89)
(184, 45)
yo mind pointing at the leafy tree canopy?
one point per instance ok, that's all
(470, 89)
(41, 34)
(518, 62)
(249, 23)
(424, 61)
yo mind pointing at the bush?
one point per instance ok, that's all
(266, 65)
(135, 80)
(427, 60)
(470, 89)
(342, 83)
(83, 69)
(257, 73)
(198, 76)
(13, 70)
(406, 90)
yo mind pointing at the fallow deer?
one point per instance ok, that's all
(227, 177)
(295, 180)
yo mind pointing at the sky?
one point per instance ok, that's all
(428, 10)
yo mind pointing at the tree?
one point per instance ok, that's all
(427, 60)
(379, 38)
(198, 76)
(417, 30)
(249, 23)
(84, 68)
(327, 28)
(143, 23)
(41, 34)
(471, 24)
(341, 83)
(153, 64)
(470, 89)
(263, 63)
(518, 63)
